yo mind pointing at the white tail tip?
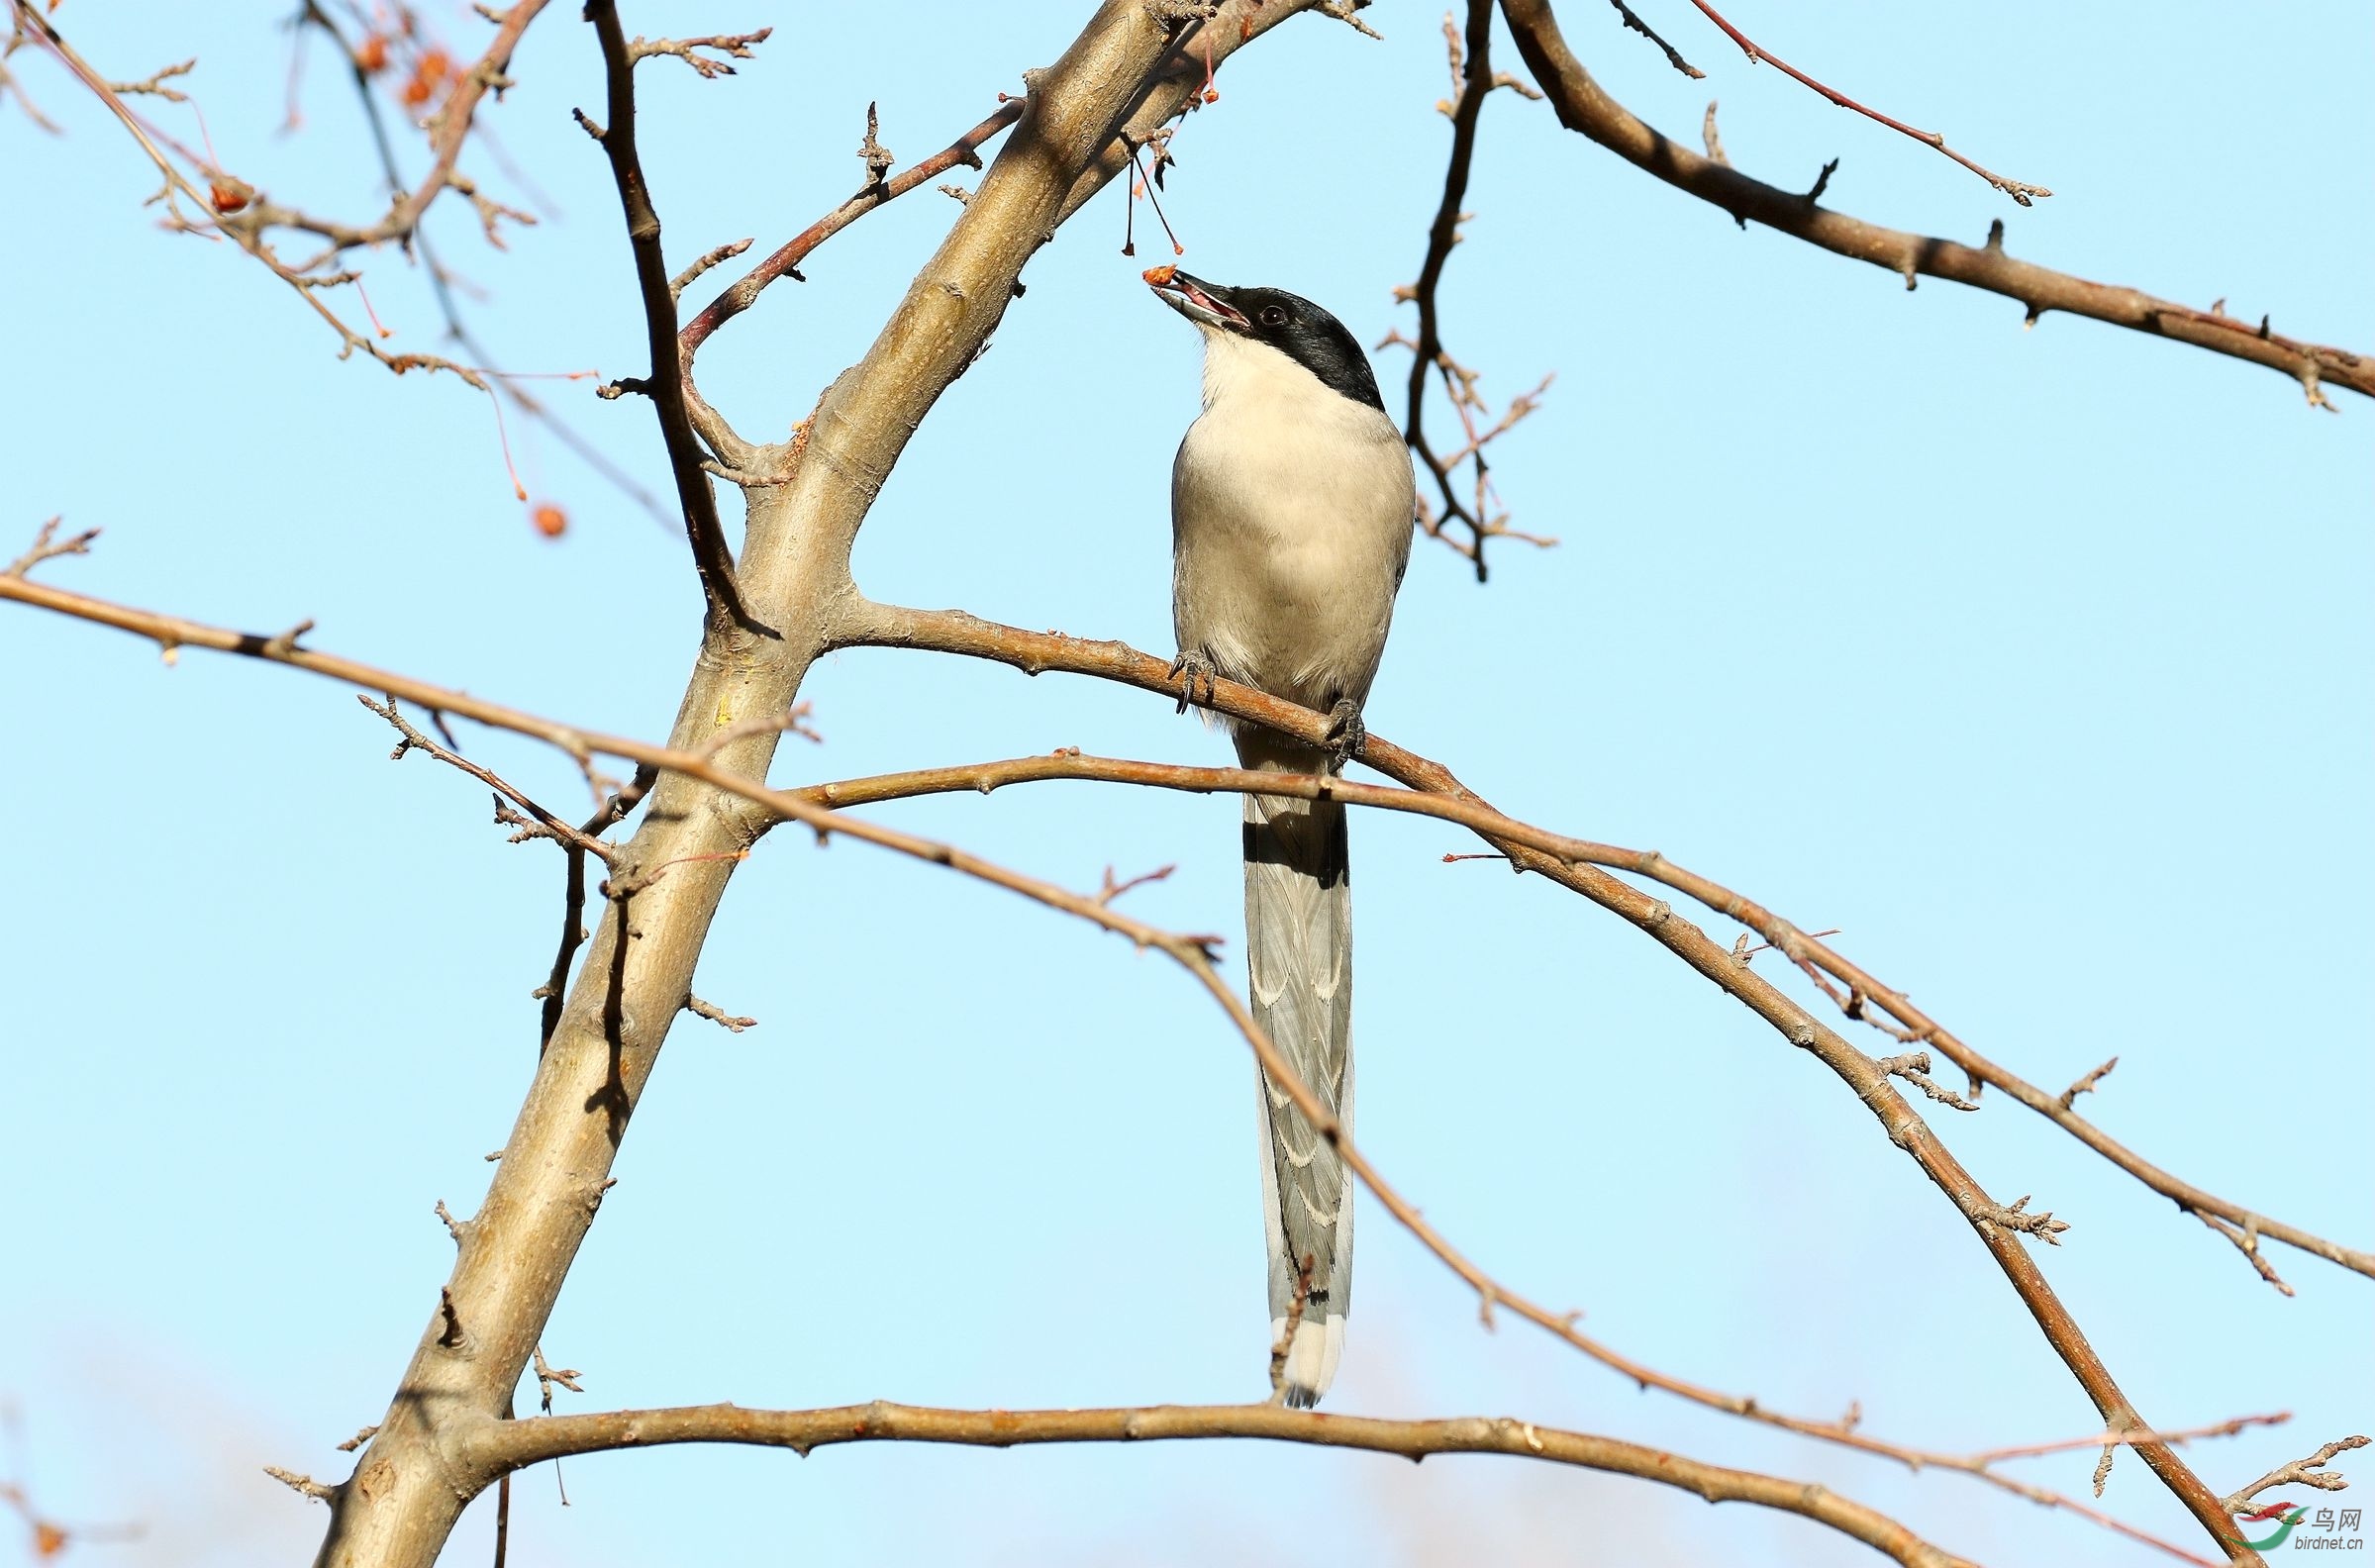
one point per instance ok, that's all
(1310, 1360)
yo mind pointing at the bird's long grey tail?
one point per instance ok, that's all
(1299, 957)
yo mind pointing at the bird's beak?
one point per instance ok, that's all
(1205, 304)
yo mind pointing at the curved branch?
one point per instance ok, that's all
(1805, 951)
(503, 1447)
(1036, 651)
(1583, 106)
(1998, 1227)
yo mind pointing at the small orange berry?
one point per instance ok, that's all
(230, 195)
(429, 75)
(372, 53)
(550, 520)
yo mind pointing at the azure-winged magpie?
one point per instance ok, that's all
(1291, 509)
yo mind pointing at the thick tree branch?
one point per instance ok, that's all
(514, 1445)
(1583, 106)
(665, 386)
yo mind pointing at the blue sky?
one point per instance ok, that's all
(2038, 662)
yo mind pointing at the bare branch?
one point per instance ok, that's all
(359, 71)
(448, 129)
(2086, 1084)
(785, 261)
(539, 822)
(1037, 652)
(2225, 1428)
(1584, 107)
(718, 1016)
(707, 259)
(2309, 1472)
(733, 45)
(44, 549)
(1565, 862)
(9, 83)
(2014, 1216)
(1349, 13)
(302, 1485)
(1804, 948)
(1673, 56)
(514, 1445)
(667, 385)
(2017, 191)
(2245, 1237)
(547, 1376)
(1472, 81)
(960, 634)
(1111, 889)
(554, 990)
(1913, 1068)
(153, 84)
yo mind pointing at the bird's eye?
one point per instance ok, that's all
(1273, 315)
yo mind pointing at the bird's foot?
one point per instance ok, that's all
(1193, 665)
(1346, 735)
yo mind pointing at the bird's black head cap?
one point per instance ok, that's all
(1288, 323)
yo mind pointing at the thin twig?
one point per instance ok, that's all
(2018, 191)
(359, 74)
(541, 823)
(1673, 56)
(47, 546)
(1472, 80)
(785, 259)
(2309, 1472)
(733, 45)
(2225, 1428)
(667, 386)
(2086, 1084)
